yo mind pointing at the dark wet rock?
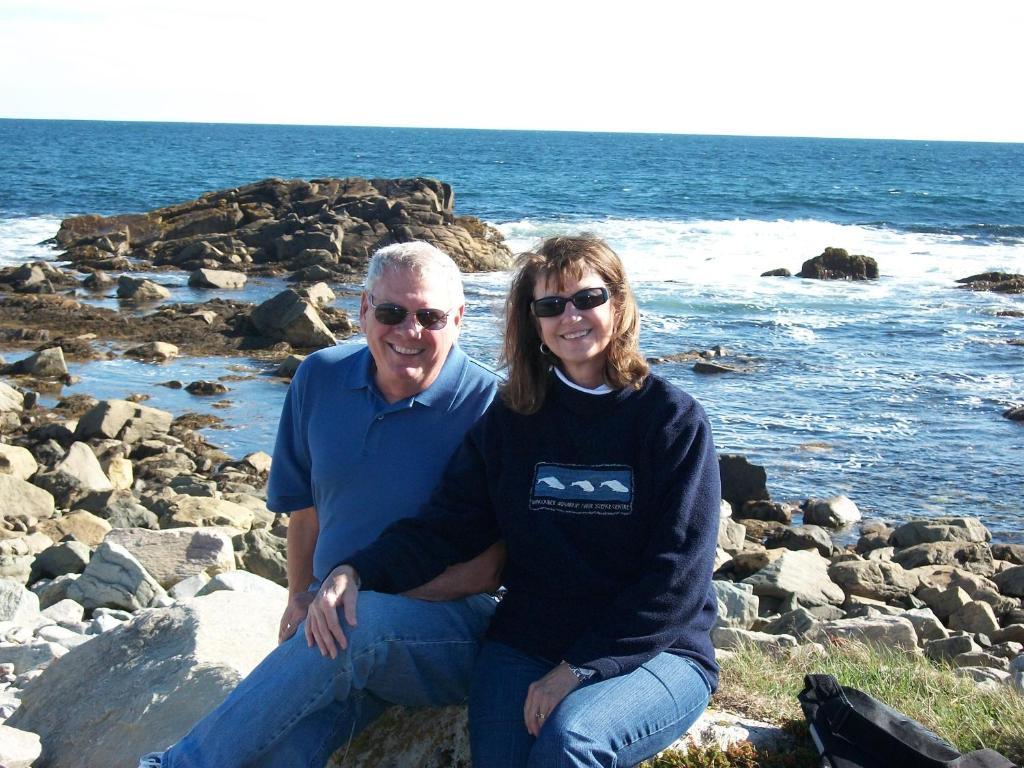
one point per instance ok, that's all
(780, 272)
(706, 367)
(759, 530)
(766, 510)
(1016, 413)
(159, 351)
(206, 388)
(287, 368)
(873, 536)
(1012, 553)
(837, 264)
(741, 480)
(98, 280)
(999, 282)
(1010, 313)
(276, 222)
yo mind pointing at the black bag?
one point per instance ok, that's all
(854, 730)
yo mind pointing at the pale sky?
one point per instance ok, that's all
(893, 69)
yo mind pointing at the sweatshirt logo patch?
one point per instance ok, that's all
(599, 489)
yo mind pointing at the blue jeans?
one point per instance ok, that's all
(298, 707)
(616, 722)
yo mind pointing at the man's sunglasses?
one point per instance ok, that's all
(553, 306)
(393, 314)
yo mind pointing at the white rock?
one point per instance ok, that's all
(737, 604)
(29, 656)
(10, 399)
(120, 472)
(81, 464)
(800, 574)
(188, 587)
(148, 681)
(243, 581)
(18, 749)
(834, 512)
(715, 728)
(204, 512)
(159, 351)
(20, 498)
(731, 639)
(65, 612)
(114, 578)
(17, 604)
(17, 461)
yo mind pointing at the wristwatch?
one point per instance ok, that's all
(582, 674)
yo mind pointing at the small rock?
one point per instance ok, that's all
(731, 639)
(834, 512)
(217, 278)
(206, 388)
(140, 289)
(780, 272)
(18, 749)
(950, 647)
(159, 351)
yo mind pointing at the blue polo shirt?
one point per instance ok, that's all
(361, 461)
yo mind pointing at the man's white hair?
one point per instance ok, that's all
(421, 258)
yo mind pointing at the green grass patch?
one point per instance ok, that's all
(765, 687)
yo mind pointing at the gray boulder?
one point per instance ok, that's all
(875, 579)
(926, 624)
(289, 317)
(974, 557)
(968, 529)
(261, 552)
(946, 649)
(17, 462)
(19, 498)
(834, 512)
(17, 604)
(171, 555)
(45, 364)
(140, 289)
(159, 351)
(203, 512)
(217, 278)
(737, 604)
(731, 535)
(884, 631)
(796, 623)
(801, 537)
(1011, 581)
(976, 617)
(123, 420)
(115, 579)
(65, 557)
(149, 680)
(732, 639)
(242, 581)
(800, 575)
(11, 400)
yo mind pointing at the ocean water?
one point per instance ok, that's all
(890, 391)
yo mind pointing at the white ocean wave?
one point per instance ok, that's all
(20, 238)
(736, 252)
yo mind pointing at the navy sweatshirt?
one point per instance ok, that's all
(609, 507)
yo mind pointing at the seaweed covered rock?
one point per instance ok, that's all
(837, 264)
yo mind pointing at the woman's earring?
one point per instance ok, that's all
(544, 349)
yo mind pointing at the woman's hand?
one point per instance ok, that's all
(545, 694)
(340, 588)
(294, 614)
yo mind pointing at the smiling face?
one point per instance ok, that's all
(408, 356)
(578, 337)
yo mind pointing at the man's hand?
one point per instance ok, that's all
(294, 614)
(339, 589)
(545, 694)
(481, 574)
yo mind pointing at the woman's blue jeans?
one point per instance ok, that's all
(617, 722)
(298, 707)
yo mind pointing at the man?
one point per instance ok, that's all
(362, 441)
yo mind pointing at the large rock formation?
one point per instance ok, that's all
(324, 224)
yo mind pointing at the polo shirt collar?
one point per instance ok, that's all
(441, 393)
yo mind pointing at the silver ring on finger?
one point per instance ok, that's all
(539, 715)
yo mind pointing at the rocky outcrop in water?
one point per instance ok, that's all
(837, 264)
(273, 226)
(998, 282)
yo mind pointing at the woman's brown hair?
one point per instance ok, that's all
(563, 259)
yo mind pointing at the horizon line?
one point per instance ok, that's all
(510, 130)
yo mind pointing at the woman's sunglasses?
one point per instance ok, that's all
(553, 306)
(393, 314)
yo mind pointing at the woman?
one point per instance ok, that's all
(603, 481)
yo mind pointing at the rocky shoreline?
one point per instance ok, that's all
(132, 550)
